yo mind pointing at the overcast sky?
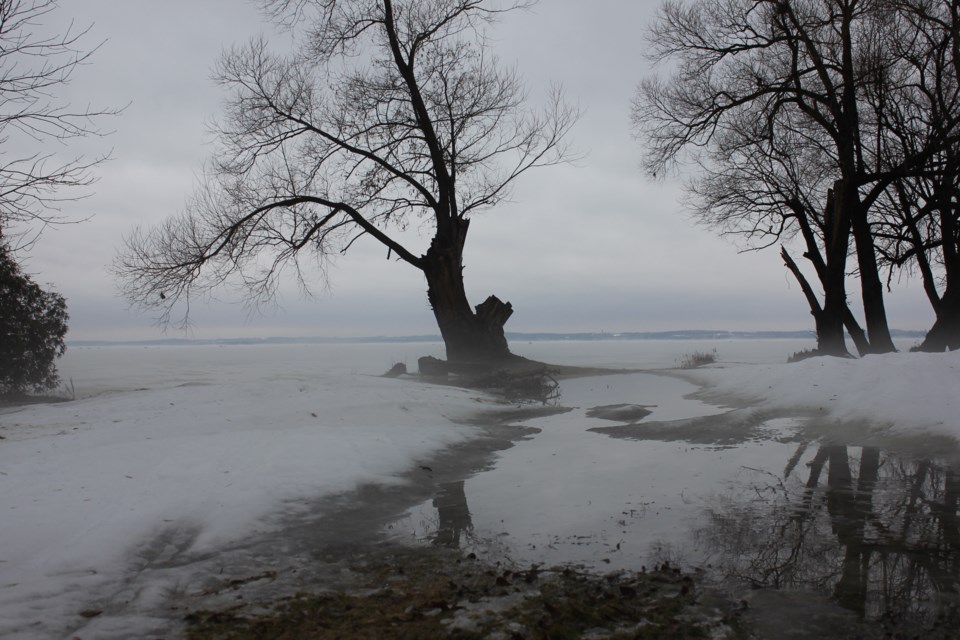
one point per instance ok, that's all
(591, 247)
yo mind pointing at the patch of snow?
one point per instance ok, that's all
(901, 391)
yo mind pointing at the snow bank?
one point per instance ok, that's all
(900, 391)
(83, 483)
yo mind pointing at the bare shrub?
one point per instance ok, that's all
(697, 359)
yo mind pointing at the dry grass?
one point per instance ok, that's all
(430, 593)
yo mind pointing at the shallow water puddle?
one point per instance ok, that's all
(572, 495)
(875, 532)
(841, 531)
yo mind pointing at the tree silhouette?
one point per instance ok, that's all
(788, 108)
(390, 112)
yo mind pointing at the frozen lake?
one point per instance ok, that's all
(96, 370)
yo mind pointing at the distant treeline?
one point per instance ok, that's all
(693, 334)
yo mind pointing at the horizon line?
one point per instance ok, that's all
(544, 336)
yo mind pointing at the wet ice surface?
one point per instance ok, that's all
(810, 522)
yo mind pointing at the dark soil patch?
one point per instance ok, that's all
(415, 593)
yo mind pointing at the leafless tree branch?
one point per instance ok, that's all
(33, 67)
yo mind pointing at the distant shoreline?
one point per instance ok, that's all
(694, 334)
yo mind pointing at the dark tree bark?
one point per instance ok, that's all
(871, 287)
(470, 335)
(815, 309)
(945, 333)
(836, 234)
(806, 221)
(849, 321)
(856, 332)
(921, 227)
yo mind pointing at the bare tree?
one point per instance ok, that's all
(389, 112)
(919, 226)
(35, 124)
(787, 81)
(768, 191)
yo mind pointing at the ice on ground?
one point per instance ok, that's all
(84, 484)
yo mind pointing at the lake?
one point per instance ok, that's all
(102, 369)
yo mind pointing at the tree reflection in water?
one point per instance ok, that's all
(453, 515)
(880, 534)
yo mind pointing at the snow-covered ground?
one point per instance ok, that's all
(83, 484)
(901, 392)
(225, 438)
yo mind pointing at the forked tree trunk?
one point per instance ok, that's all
(470, 335)
(945, 333)
(849, 321)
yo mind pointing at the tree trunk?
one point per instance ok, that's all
(469, 335)
(856, 333)
(830, 339)
(945, 333)
(815, 310)
(871, 285)
(849, 321)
